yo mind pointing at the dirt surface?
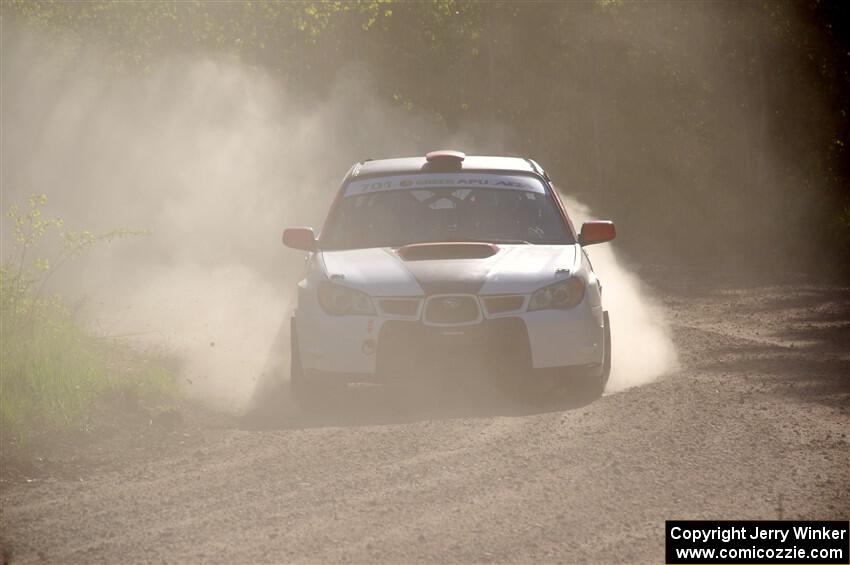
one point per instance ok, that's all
(753, 425)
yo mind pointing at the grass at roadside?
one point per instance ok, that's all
(51, 369)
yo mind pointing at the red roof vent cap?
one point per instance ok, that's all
(445, 156)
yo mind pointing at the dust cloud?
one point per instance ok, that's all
(195, 152)
(214, 158)
(641, 342)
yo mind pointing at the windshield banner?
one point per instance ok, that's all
(438, 180)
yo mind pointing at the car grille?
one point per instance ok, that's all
(409, 349)
(453, 309)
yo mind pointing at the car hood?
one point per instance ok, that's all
(511, 269)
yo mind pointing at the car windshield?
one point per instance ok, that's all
(396, 211)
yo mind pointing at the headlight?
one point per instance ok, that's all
(559, 296)
(341, 301)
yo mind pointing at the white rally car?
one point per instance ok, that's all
(436, 267)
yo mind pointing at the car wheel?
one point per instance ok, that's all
(594, 387)
(299, 389)
(312, 397)
(296, 371)
(606, 350)
(584, 389)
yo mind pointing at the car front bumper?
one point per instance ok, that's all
(384, 350)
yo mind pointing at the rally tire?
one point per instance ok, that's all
(584, 389)
(296, 371)
(593, 387)
(606, 350)
(310, 397)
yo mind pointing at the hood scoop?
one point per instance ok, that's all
(447, 250)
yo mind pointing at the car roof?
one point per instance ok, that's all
(470, 163)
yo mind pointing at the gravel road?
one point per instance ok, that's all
(753, 425)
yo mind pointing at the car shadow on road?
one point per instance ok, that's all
(374, 406)
(476, 396)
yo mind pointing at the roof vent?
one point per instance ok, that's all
(445, 158)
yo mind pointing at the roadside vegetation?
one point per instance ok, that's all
(699, 127)
(51, 368)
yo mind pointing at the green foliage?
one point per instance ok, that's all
(138, 31)
(51, 370)
(26, 277)
(663, 114)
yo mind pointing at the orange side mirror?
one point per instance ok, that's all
(598, 231)
(299, 238)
